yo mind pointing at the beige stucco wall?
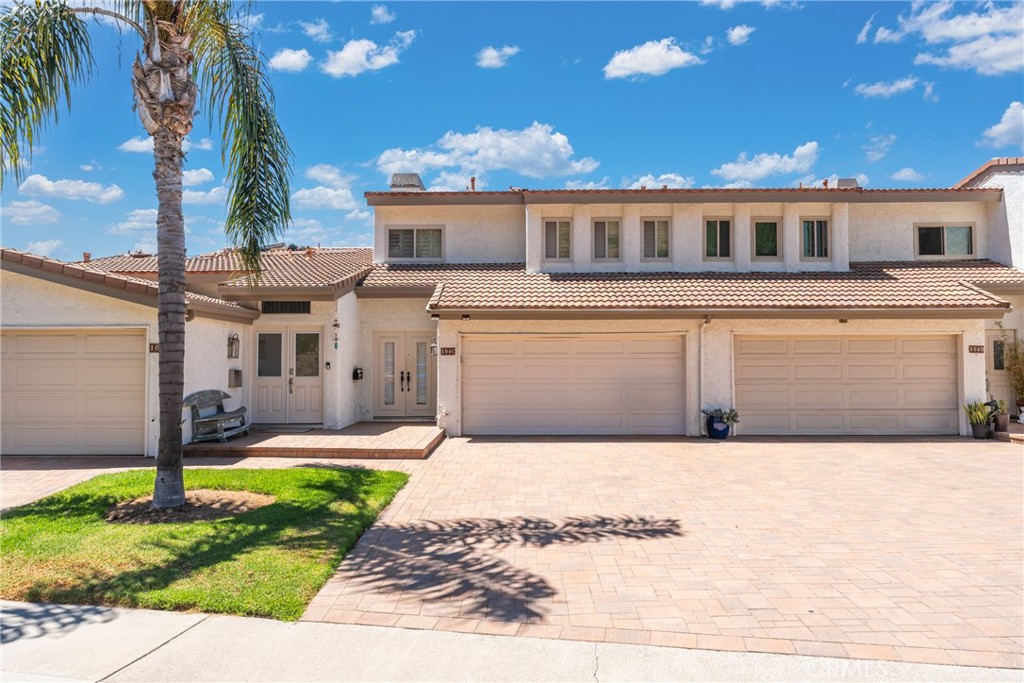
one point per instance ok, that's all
(207, 363)
(1006, 216)
(885, 232)
(471, 234)
(709, 376)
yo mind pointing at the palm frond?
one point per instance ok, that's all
(46, 51)
(236, 92)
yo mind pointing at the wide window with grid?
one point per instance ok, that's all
(557, 240)
(717, 238)
(656, 238)
(815, 238)
(945, 240)
(606, 240)
(414, 243)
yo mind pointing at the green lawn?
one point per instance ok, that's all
(267, 562)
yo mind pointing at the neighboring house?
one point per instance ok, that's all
(811, 310)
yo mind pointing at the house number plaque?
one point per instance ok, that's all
(447, 350)
(972, 348)
(154, 348)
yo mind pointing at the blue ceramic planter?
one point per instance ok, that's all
(716, 428)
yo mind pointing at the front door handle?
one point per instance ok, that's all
(401, 380)
(291, 385)
(408, 381)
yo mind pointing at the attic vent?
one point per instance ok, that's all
(847, 183)
(407, 182)
(284, 307)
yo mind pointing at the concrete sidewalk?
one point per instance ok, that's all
(70, 643)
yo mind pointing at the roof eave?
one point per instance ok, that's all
(846, 313)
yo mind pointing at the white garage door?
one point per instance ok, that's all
(847, 385)
(595, 384)
(79, 392)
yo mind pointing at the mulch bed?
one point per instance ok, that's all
(200, 505)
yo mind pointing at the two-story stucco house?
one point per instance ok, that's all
(826, 310)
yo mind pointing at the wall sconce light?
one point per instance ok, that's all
(843, 320)
(337, 326)
(433, 348)
(233, 346)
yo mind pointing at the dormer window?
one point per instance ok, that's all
(949, 241)
(656, 239)
(717, 239)
(557, 240)
(606, 240)
(415, 243)
(815, 239)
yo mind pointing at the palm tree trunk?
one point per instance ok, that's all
(169, 490)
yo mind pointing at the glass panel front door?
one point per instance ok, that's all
(404, 375)
(288, 387)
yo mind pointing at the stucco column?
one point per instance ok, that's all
(741, 237)
(791, 236)
(841, 237)
(632, 238)
(686, 237)
(534, 239)
(972, 369)
(582, 238)
(449, 370)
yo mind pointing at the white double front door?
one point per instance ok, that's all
(405, 375)
(289, 378)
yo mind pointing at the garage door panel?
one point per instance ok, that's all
(589, 384)
(76, 392)
(877, 385)
(483, 347)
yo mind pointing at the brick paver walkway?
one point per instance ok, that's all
(884, 549)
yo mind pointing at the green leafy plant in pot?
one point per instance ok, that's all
(1001, 416)
(978, 416)
(1013, 361)
(719, 421)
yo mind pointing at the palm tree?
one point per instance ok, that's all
(192, 51)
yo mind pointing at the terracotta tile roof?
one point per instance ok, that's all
(965, 182)
(116, 281)
(880, 285)
(281, 267)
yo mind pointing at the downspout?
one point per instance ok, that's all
(700, 373)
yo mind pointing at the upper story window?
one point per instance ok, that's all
(656, 238)
(945, 240)
(717, 238)
(558, 240)
(606, 240)
(415, 243)
(767, 245)
(815, 239)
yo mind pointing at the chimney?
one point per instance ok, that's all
(472, 183)
(824, 183)
(406, 182)
(86, 257)
(847, 184)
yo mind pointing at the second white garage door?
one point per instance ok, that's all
(73, 392)
(593, 384)
(847, 385)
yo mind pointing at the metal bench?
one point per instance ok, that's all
(216, 425)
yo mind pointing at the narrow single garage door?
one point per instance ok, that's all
(76, 392)
(847, 385)
(594, 384)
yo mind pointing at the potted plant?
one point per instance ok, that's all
(719, 421)
(1000, 416)
(977, 415)
(1013, 361)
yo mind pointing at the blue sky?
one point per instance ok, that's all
(551, 95)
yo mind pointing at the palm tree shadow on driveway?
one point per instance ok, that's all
(454, 560)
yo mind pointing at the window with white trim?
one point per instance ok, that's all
(717, 238)
(558, 240)
(656, 238)
(945, 240)
(606, 239)
(415, 243)
(766, 244)
(814, 238)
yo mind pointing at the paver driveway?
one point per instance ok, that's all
(876, 549)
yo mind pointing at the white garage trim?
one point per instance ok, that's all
(806, 385)
(74, 391)
(573, 384)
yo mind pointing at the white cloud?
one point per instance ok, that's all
(495, 57)
(907, 175)
(138, 220)
(31, 212)
(196, 177)
(1010, 129)
(738, 35)
(862, 37)
(333, 193)
(43, 247)
(145, 145)
(833, 180)
(653, 182)
(878, 146)
(708, 46)
(360, 216)
(886, 89)
(91, 166)
(318, 30)
(217, 195)
(290, 60)
(536, 151)
(653, 58)
(251, 21)
(929, 92)
(358, 56)
(40, 186)
(986, 39)
(767, 4)
(602, 184)
(764, 165)
(380, 14)
(454, 181)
